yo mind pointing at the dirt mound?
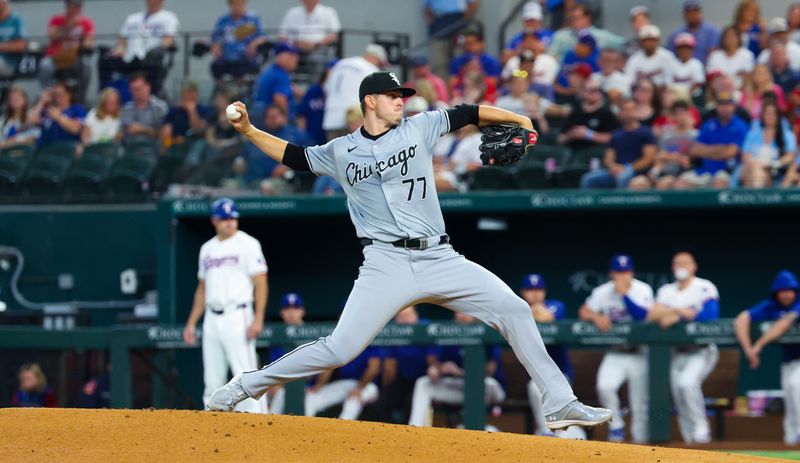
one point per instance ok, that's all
(70, 435)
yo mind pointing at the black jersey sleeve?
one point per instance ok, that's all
(462, 115)
(294, 157)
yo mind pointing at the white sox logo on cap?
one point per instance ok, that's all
(394, 78)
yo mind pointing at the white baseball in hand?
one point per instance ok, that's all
(233, 113)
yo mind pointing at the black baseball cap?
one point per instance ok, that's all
(381, 82)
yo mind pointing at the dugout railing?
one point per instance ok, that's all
(121, 341)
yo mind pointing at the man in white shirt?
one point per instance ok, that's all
(652, 61)
(310, 25)
(231, 279)
(779, 32)
(143, 41)
(544, 68)
(341, 88)
(614, 83)
(623, 299)
(689, 298)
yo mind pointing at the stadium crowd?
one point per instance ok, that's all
(705, 106)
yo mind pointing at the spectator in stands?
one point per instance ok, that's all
(793, 20)
(758, 88)
(33, 390)
(310, 25)
(59, 117)
(276, 123)
(769, 149)
(585, 54)
(103, 121)
(421, 70)
(614, 83)
(580, 18)
(750, 25)
(15, 125)
(341, 88)
(782, 306)
(673, 146)
(402, 367)
(143, 42)
(311, 109)
(70, 34)
(275, 83)
(648, 99)
(473, 86)
(235, 41)
(591, 121)
(96, 393)
(783, 75)
(522, 101)
(651, 61)
(221, 137)
(445, 18)
(631, 151)
(687, 71)
(474, 50)
(534, 291)
(792, 177)
(622, 299)
(732, 58)
(141, 118)
(689, 298)
(779, 34)
(533, 59)
(188, 120)
(13, 39)
(718, 83)
(717, 147)
(706, 35)
(444, 381)
(638, 17)
(532, 25)
(576, 77)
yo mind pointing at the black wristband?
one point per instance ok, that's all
(463, 115)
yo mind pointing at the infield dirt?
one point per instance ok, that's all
(72, 435)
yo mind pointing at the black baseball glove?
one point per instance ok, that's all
(505, 144)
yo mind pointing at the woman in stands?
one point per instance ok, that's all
(15, 128)
(768, 150)
(102, 122)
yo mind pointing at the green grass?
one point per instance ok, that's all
(784, 454)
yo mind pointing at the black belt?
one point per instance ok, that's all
(222, 311)
(409, 243)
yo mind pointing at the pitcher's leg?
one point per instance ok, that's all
(458, 284)
(384, 286)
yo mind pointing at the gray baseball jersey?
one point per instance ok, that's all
(389, 182)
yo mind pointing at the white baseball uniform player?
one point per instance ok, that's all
(228, 265)
(622, 299)
(386, 171)
(689, 298)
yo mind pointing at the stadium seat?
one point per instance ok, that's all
(142, 148)
(67, 149)
(107, 149)
(532, 177)
(583, 157)
(541, 153)
(14, 161)
(131, 175)
(89, 173)
(46, 174)
(550, 138)
(490, 178)
(570, 176)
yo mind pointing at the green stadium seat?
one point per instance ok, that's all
(107, 149)
(46, 174)
(12, 172)
(490, 178)
(89, 174)
(67, 149)
(142, 148)
(583, 157)
(532, 177)
(541, 153)
(131, 175)
(18, 151)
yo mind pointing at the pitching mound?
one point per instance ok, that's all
(70, 435)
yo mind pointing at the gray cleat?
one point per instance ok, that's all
(225, 398)
(577, 414)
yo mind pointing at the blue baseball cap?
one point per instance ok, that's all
(533, 281)
(224, 208)
(690, 5)
(292, 300)
(585, 37)
(284, 47)
(621, 263)
(419, 61)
